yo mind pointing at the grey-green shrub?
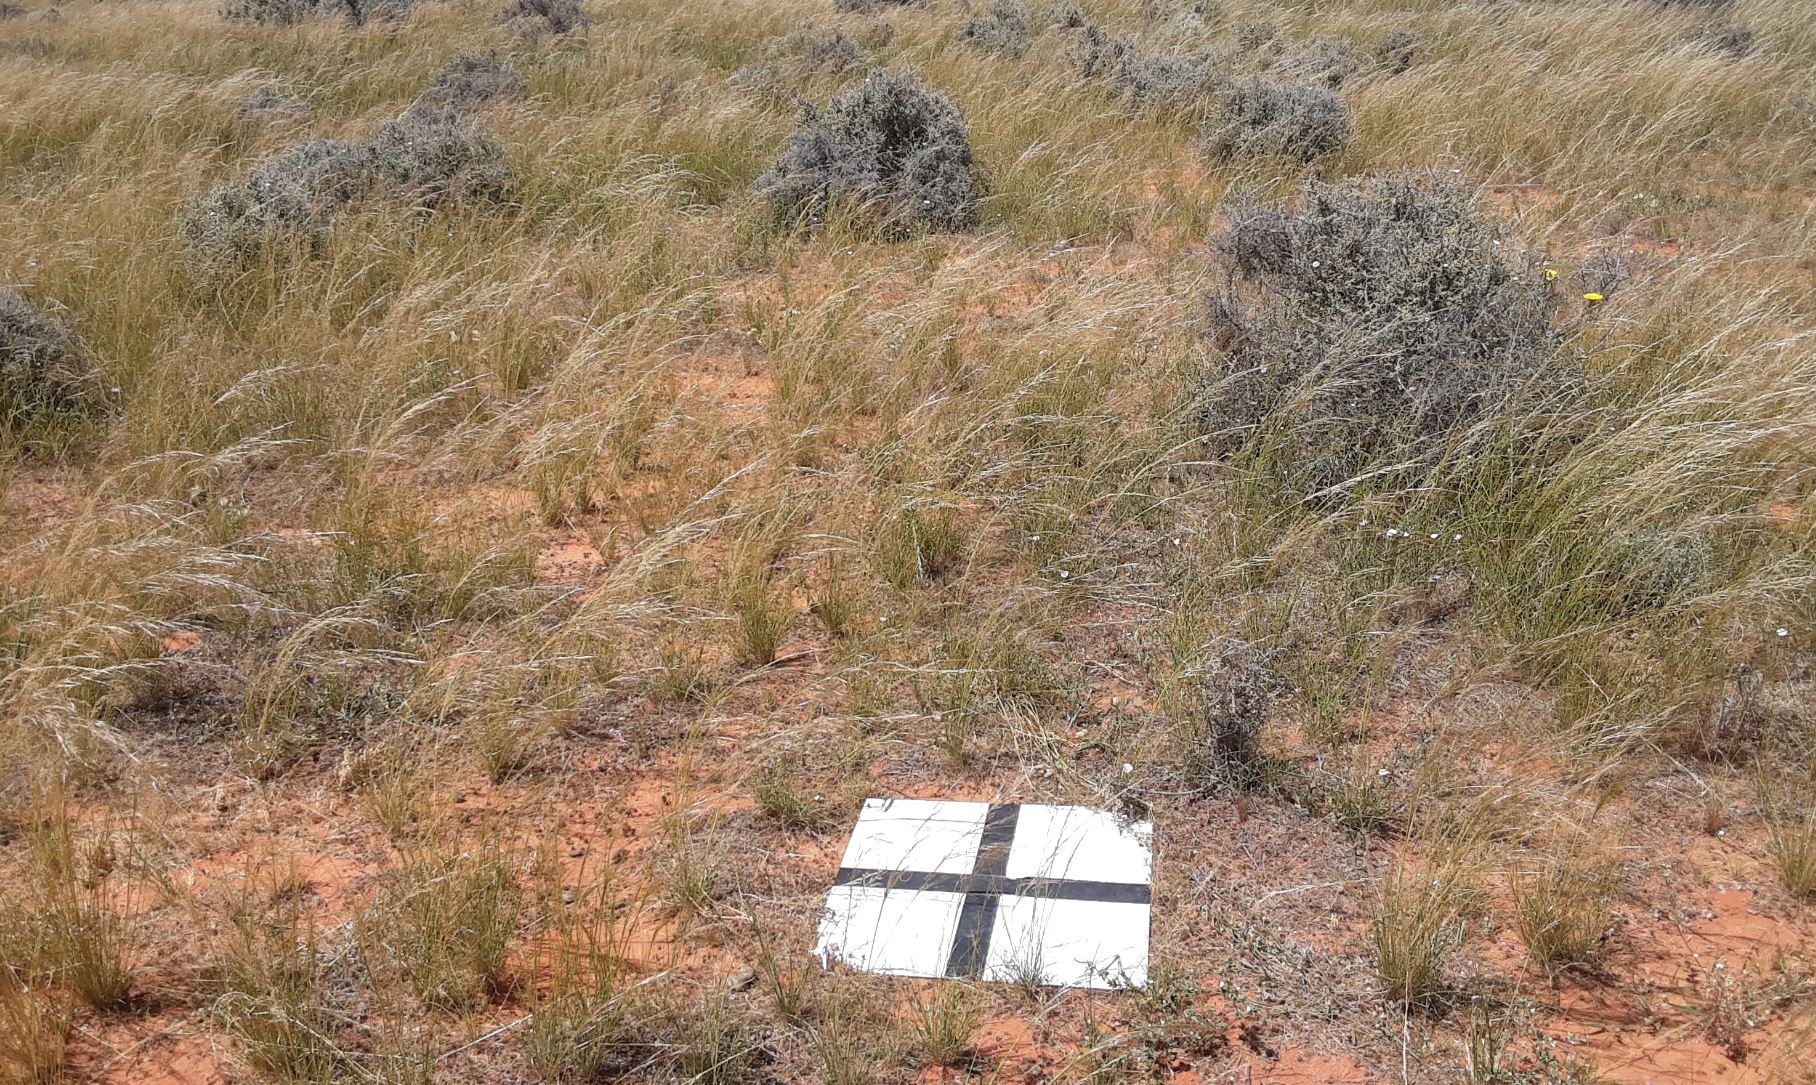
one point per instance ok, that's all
(471, 80)
(1328, 62)
(1005, 28)
(43, 369)
(1144, 79)
(1396, 52)
(1728, 39)
(1260, 116)
(288, 201)
(1235, 693)
(535, 18)
(293, 12)
(1372, 322)
(889, 148)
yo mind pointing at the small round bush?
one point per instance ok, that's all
(1006, 28)
(858, 6)
(1728, 39)
(471, 80)
(267, 102)
(43, 370)
(1396, 52)
(888, 147)
(273, 12)
(536, 18)
(1145, 79)
(1328, 62)
(425, 158)
(286, 199)
(432, 155)
(1373, 322)
(1290, 120)
(293, 12)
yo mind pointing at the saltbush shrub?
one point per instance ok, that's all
(430, 156)
(1235, 693)
(1262, 116)
(815, 49)
(806, 51)
(471, 80)
(1373, 322)
(423, 159)
(1328, 62)
(1729, 39)
(1397, 51)
(292, 12)
(888, 147)
(1144, 79)
(535, 18)
(1065, 15)
(43, 369)
(275, 12)
(1005, 28)
(267, 102)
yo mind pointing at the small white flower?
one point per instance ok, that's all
(1783, 632)
(1034, 538)
(1434, 536)
(1458, 537)
(1383, 772)
(1127, 768)
(1390, 532)
(1063, 575)
(1177, 542)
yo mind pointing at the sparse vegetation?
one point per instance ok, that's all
(1562, 911)
(1224, 736)
(488, 490)
(1417, 926)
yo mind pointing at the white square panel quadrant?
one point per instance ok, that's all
(1058, 895)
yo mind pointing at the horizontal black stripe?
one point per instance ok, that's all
(918, 881)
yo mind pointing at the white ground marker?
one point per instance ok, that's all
(1057, 895)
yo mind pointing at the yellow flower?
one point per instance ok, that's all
(1592, 298)
(1550, 274)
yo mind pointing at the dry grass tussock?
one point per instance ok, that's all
(551, 459)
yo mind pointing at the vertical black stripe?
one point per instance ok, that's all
(977, 917)
(971, 942)
(998, 835)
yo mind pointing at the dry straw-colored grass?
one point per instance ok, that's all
(920, 495)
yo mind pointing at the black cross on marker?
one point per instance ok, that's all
(987, 884)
